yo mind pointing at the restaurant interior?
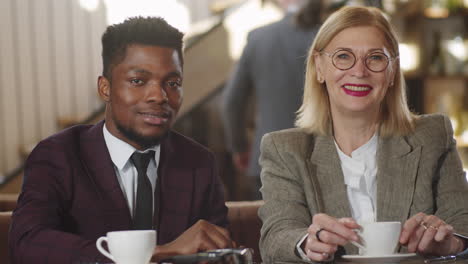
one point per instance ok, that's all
(50, 52)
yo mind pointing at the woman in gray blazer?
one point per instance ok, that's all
(358, 154)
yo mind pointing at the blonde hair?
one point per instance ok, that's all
(314, 115)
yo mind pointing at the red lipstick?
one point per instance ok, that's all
(358, 90)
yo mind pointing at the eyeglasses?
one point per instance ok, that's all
(345, 60)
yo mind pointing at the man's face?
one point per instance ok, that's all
(143, 95)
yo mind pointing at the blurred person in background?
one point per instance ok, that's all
(271, 70)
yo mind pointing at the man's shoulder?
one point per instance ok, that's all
(73, 133)
(267, 30)
(70, 138)
(187, 148)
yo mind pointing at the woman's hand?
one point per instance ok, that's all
(325, 234)
(429, 235)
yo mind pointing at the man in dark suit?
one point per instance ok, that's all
(271, 69)
(86, 180)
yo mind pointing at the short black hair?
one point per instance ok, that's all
(154, 31)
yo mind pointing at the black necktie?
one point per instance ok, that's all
(143, 218)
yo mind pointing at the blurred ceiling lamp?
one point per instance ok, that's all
(436, 9)
(247, 17)
(465, 2)
(89, 5)
(118, 11)
(454, 123)
(464, 136)
(458, 48)
(355, 3)
(409, 57)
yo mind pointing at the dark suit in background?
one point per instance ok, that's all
(71, 196)
(272, 69)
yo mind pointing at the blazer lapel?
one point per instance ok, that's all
(96, 160)
(330, 182)
(325, 166)
(397, 168)
(176, 183)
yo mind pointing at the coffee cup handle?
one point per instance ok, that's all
(102, 250)
(359, 245)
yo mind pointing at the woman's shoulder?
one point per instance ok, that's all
(296, 139)
(433, 128)
(431, 119)
(290, 134)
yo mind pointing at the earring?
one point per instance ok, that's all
(391, 84)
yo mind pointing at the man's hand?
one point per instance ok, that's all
(241, 160)
(202, 236)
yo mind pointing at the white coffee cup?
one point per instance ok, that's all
(128, 247)
(378, 238)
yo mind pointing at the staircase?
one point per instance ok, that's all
(210, 55)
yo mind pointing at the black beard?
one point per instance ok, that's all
(142, 141)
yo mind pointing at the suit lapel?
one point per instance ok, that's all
(397, 168)
(330, 180)
(96, 160)
(175, 193)
(331, 191)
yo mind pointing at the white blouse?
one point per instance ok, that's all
(360, 173)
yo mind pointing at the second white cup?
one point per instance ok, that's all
(129, 247)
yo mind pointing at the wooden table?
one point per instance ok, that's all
(415, 260)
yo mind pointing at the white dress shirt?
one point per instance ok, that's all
(360, 172)
(127, 175)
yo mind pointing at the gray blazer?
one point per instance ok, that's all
(302, 176)
(272, 68)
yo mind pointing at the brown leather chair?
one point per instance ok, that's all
(5, 219)
(245, 224)
(7, 202)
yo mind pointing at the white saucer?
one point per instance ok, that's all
(393, 258)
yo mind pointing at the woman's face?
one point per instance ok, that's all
(357, 90)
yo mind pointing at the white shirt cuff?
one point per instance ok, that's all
(301, 252)
(464, 253)
(303, 255)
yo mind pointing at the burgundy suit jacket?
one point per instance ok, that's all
(71, 196)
